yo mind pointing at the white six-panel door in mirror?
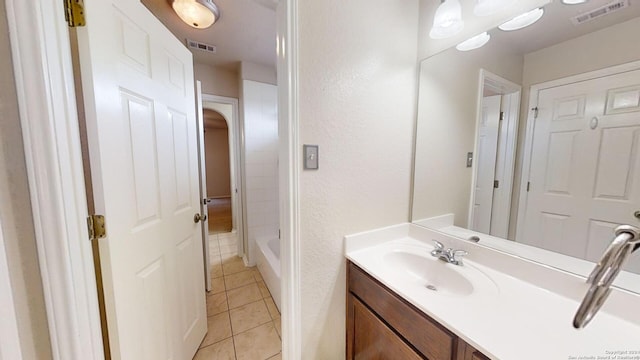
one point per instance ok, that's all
(488, 129)
(585, 170)
(138, 85)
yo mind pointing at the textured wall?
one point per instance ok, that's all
(357, 75)
(15, 211)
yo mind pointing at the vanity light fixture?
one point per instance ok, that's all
(474, 43)
(447, 20)
(199, 14)
(490, 7)
(574, 2)
(522, 21)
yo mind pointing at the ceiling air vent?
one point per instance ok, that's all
(599, 12)
(201, 46)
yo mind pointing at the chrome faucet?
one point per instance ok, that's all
(627, 240)
(447, 255)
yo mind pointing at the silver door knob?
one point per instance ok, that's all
(197, 218)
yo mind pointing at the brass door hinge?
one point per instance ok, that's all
(96, 227)
(74, 13)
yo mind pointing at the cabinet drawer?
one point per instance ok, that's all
(429, 338)
(374, 340)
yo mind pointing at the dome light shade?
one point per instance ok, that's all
(447, 20)
(522, 21)
(490, 7)
(199, 14)
(574, 2)
(474, 43)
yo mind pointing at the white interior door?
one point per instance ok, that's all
(140, 111)
(585, 168)
(488, 129)
(203, 187)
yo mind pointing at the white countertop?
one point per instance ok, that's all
(513, 319)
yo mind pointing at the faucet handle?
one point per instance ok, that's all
(438, 245)
(456, 255)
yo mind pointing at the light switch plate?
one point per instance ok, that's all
(469, 159)
(310, 153)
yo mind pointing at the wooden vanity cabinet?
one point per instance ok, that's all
(381, 325)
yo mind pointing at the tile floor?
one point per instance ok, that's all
(243, 320)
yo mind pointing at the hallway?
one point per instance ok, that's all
(243, 321)
(220, 216)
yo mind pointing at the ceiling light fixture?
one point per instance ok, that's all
(447, 20)
(474, 43)
(522, 21)
(199, 14)
(490, 7)
(574, 2)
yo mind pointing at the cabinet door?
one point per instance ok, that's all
(467, 352)
(373, 340)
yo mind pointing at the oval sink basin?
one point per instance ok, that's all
(435, 275)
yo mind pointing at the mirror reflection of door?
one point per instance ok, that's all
(486, 161)
(584, 165)
(495, 141)
(216, 139)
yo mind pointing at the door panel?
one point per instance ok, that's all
(141, 126)
(585, 168)
(488, 130)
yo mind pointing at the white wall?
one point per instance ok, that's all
(216, 80)
(258, 72)
(447, 116)
(16, 215)
(260, 114)
(357, 91)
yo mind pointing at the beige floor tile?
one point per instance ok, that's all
(257, 275)
(243, 295)
(217, 285)
(233, 265)
(273, 309)
(222, 350)
(234, 281)
(216, 270)
(227, 256)
(216, 303)
(227, 240)
(278, 325)
(264, 290)
(249, 316)
(230, 248)
(218, 328)
(277, 357)
(259, 343)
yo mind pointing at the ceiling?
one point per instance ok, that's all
(555, 26)
(246, 31)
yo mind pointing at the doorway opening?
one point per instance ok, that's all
(496, 138)
(217, 164)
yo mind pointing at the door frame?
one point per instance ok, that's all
(506, 146)
(236, 154)
(528, 142)
(43, 72)
(41, 54)
(9, 335)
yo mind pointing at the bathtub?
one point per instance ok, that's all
(268, 262)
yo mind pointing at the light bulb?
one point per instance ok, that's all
(474, 43)
(199, 14)
(523, 20)
(447, 20)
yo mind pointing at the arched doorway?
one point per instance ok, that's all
(218, 172)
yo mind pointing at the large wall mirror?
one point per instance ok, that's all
(532, 141)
